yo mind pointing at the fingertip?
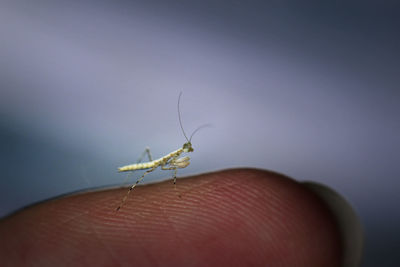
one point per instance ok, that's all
(239, 217)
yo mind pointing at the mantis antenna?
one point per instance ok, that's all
(180, 122)
(179, 115)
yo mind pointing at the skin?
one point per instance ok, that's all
(240, 217)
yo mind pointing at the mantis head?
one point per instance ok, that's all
(187, 147)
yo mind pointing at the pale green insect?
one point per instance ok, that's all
(171, 161)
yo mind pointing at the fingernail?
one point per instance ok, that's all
(348, 221)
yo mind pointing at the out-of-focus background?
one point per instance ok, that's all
(306, 88)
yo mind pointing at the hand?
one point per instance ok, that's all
(240, 217)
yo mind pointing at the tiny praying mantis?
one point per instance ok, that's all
(171, 161)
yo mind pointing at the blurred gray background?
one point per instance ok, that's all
(306, 88)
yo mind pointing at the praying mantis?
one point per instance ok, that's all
(171, 161)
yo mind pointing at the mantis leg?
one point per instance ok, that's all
(134, 185)
(176, 163)
(146, 151)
